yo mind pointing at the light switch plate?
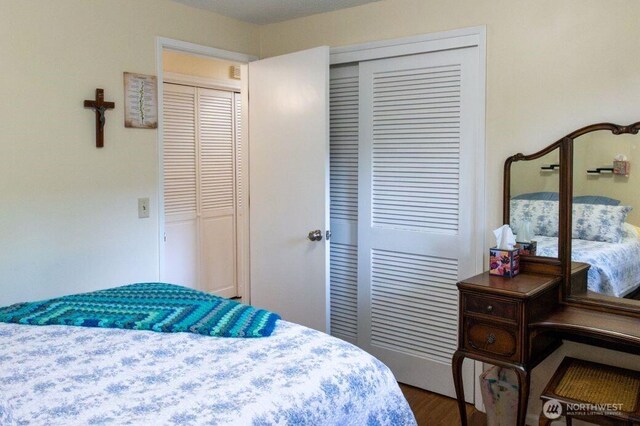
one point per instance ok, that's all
(143, 208)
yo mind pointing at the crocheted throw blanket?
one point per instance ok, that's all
(159, 307)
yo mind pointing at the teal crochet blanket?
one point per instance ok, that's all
(147, 306)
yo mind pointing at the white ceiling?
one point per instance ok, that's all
(269, 11)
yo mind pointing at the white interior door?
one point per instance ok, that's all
(200, 174)
(416, 202)
(180, 185)
(289, 194)
(217, 197)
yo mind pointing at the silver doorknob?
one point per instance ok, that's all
(315, 235)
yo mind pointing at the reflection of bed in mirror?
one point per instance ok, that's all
(614, 256)
(615, 267)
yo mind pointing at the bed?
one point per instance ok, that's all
(69, 375)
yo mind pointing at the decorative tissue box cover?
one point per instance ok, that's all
(505, 263)
(528, 249)
(621, 167)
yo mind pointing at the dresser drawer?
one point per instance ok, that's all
(490, 306)
(500, 341)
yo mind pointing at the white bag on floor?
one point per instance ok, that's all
(499, 387)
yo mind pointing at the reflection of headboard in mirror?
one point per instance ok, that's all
(596, 211)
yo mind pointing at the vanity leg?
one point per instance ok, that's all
(456, 365)
(524, 381)
(543, 420)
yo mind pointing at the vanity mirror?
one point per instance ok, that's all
(605, 216)
(533, 204)
(580, 197)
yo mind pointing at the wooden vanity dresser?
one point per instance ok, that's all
(517, 322)
(495, 314)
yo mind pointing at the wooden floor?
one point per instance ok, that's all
(437, 410)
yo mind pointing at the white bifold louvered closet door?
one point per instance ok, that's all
(343, 107)
(200, 188)
(415, 138)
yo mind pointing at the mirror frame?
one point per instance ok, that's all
(563, 265)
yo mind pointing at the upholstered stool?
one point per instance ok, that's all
(615, 390)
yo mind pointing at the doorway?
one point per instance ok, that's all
(203, 164)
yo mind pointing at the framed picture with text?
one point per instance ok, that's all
(140, 101)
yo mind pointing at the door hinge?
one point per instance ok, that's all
(328, 235)
(165, 237)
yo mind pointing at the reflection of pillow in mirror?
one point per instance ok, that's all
(598, 222)
(596, 199)
(542, 214)
(548, 196)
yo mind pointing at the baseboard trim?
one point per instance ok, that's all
(532, 419)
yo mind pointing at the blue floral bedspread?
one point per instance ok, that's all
(615, 267)
(63, 375)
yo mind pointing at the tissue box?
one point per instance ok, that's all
(505, 263)
(528, 249)
(621, 167)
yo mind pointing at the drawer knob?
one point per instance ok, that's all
(489, 308)
(491, 339)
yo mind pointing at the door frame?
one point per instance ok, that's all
(163, 43)
(433, 42)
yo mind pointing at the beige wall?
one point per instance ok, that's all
(527, 176)
(182, 63)
(552, 67)
(68, 211)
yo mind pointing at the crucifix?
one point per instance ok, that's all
(100, 107)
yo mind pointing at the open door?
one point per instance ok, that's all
(289, 185)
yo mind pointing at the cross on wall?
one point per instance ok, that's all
(100, 107)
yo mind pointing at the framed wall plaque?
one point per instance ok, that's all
(140, 101)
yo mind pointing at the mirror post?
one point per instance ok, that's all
(565, 207)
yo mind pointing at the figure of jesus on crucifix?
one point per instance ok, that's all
(100, 107)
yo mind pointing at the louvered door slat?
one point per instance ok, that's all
(425, 159)
(344, 146)
(179, 150)
(217, 153)
(343, 137)
(392, 299)
(343, 288)
(239, 152)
